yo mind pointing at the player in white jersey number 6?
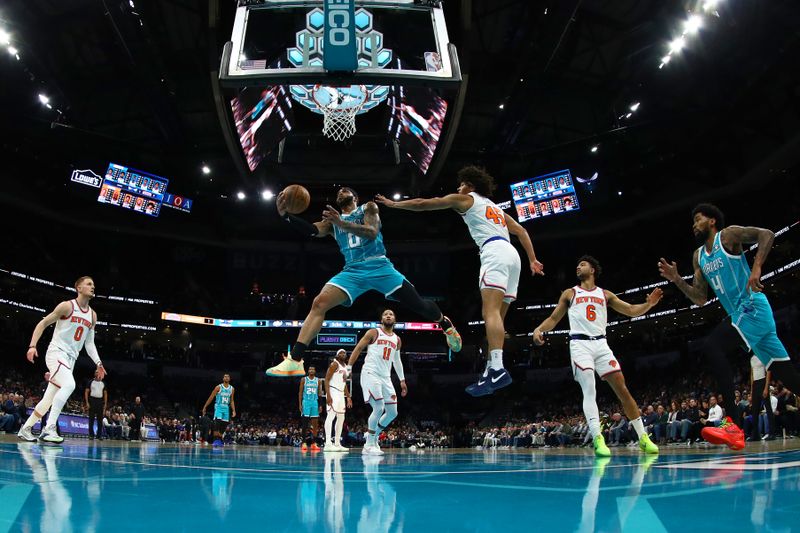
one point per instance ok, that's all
(586, 306)
(75, 322)
(489, 227)
(383, 353)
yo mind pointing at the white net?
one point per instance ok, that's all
(339, 107)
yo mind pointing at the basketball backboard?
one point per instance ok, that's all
(399, 42)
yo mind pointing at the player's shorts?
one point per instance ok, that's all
(311, 410)
(338, 405)
(500, 268)
(758, 368)
(222, 413)
(593, 355)
(756, 325)
(377, 388)
(376, 274)
(59, 363)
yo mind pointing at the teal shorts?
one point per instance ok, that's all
(376, 274)
(756, 325)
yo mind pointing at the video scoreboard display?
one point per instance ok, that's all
(551, 194)
(133, 189)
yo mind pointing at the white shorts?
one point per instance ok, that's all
(593, 355)
(338, 404)
(58, 363)
(759, 370)
(500, 269)
(377, 388)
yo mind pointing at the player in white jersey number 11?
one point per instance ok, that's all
(489, 227)
(75, 323)
(587, 307)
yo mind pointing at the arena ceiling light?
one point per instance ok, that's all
(206, 169)
(44, 99)
(710, 5)
(241, 195)
(396, 196)
(5, 38)
(677, 44)
(692, 25)
(14, 52)
(594, 148)
(267, 195)
(634, 106)
(501, 106)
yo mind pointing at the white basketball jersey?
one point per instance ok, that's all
(587, 312)
(378, 360)
(485, 220)
(339, 376)
(71, 330)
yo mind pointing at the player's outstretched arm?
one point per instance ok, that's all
(459, 202)
(521, 233)
(210, 399)
(365, 341)
(697, 292)
(627, 309)
(368, 230)
(555, 317)
(735, 237)
(62, 309)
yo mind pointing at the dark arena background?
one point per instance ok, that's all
(145, 144)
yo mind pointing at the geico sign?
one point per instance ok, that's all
(339, 21)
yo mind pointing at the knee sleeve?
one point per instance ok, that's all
(585, 379)
(389, 414)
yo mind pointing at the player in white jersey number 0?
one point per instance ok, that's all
(489, 227)
(587, 307)
(75, 322)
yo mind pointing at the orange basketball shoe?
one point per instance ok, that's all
(726, 433)
(315, 448)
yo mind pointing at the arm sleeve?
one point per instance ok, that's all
(300, 225)
(397, 363)
(91, 349)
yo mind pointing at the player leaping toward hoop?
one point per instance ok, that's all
(357, 231)
(587, 308)
(489, 226)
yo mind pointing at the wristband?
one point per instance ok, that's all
(34, 346)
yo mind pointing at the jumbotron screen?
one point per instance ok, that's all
(551, 194)
(133, 189)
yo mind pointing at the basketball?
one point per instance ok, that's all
(297, 199)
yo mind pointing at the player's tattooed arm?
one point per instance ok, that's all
(365, 341)
(555, 317)
(368, 230)
(459, 202)
(697, 292)
(735, 237)
(627, 309)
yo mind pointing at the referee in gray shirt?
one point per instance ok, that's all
(96, 397)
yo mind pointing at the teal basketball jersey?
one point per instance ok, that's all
(310, 390)
(224, 396)
(728, 275)
(355, 248)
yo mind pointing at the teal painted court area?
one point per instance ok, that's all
(85, 486)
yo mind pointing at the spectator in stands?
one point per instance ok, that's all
(693, 415)
(617, 429)
(672, 421)
(135, 419)
(714, 413)
(660, 424)
(7, 418)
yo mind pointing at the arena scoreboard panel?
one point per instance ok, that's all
(133, 189)
(255, 323)
(551, 194)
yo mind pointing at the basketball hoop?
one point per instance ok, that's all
(339, 107)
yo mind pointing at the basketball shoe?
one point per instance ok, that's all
(490, 381)
(50, 435)
(452, 335)
(646, 445)
(726, 433)
(304, 447)
(315, 448)
(287, 368)
(26, 435)
(600, 448)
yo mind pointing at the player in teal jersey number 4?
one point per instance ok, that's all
(721, 263)
(357, 230)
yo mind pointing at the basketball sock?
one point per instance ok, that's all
(638, 426)
(339, 427)
(486, 369)
(298, 350)
(585, 379)
(496, 359)
(43, 406)
(329, 427)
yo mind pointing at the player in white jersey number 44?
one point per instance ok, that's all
(490, 228)
(587, 307)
